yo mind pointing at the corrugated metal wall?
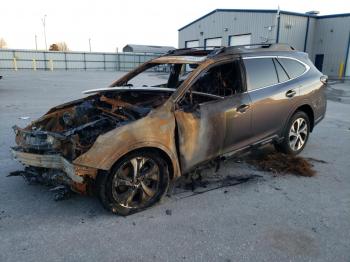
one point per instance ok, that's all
(328, 36)
(262, 26)
(293, 30)
(70, 60)
(331, 39)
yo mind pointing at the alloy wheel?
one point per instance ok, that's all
(136, 182)
(298, 134)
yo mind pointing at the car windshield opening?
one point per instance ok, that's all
(162, 75)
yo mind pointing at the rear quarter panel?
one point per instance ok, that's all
(312, 92)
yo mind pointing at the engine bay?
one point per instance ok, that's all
(72, 129)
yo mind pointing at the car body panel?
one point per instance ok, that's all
(270, 108)
(191, 136)
(201, 134)
(156, 130)
(211, 130)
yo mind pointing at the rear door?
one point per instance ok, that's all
(271, 94)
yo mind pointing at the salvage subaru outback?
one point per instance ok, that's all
(128, 142)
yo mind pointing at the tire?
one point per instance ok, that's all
(136, 182)
(295, 135)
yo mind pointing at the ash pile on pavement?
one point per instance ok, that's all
(264, 159)
(282, 164)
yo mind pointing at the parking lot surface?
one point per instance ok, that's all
(273, 218)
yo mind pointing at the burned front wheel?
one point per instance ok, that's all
(136, 182)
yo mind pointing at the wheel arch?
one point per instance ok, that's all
(159, 151)
(171, 161)
(281, 144)
(100, 186)
(307, 109)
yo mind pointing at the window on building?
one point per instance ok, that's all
(292, 67)
(260, 72)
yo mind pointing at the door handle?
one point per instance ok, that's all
(291, 93)
(242, 108)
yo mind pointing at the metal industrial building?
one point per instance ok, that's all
(326, 38)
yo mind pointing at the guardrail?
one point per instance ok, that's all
(18, 59)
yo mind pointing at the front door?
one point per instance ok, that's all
(201, 133)
(219, 118)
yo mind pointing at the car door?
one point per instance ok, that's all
(212, 128)
(271, 93)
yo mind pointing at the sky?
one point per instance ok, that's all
(111, 24)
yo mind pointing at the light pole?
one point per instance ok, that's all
(36, 42)
(90, 44)
(43, 20)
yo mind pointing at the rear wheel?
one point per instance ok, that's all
(296, 134)
(136, 182)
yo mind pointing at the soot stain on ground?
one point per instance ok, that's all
(282, 164)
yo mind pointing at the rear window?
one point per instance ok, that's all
(293, 67)
(260, 72)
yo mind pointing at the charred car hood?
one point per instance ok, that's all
(72, 128)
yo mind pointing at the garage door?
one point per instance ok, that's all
(213, 42)
(240, 39)
(190, 44)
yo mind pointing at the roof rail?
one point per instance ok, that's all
(268, 46)
(212, 51)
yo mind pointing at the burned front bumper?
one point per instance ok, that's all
(77, 176)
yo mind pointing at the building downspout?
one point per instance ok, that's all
(346, 57)
(278, 17)
(307, 32)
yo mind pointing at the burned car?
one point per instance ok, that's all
(128, 142)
